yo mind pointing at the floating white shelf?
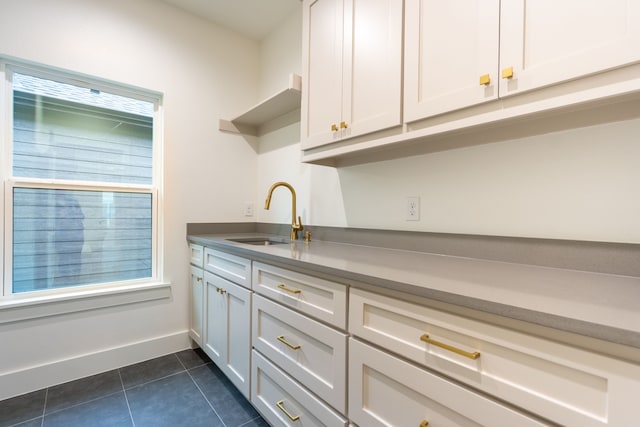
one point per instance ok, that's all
(283, 102)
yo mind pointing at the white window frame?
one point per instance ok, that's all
(21, 306)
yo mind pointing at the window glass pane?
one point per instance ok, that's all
(68, 132)
(71, 237)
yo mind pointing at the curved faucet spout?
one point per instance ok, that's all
(295, 226)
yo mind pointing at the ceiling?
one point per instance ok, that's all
(254, 19)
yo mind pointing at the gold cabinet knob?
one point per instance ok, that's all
(424, 423)
(507, 73)
(485, 80)
(343, 125)
(334, 127)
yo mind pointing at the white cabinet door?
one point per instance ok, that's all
(322, 71)
(228, 331)
(196, 304)
(547, 41)
(215, 331)
(451, 55)
(352, 68)
(452, 48)
(372, 77)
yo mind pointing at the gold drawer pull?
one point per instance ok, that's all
(198, 279)
(221, 291)
(280, 405)
(424, 423)
(507, 73)
(471, 355)
(287, 343)
(334, 128)
(292, 291)
(485, 80)
(343, 125)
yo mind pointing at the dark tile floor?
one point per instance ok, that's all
(181, 389)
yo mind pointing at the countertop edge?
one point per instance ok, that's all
(552, 321)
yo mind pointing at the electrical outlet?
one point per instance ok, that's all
(412, 209)
(247, 209)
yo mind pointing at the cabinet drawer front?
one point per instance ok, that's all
(273, 392)
(197, 254)
(309, 351)
(386, 391)
(567, 385)
(231, 267)
(319, 298)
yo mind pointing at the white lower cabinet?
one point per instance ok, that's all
(196, 293)
(284, 402)
(312, 353)
(567, 385)
(196, 304)
(387, 391)
(227, 333)
(402, 362)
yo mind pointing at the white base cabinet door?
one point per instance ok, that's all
(228, 329)
(284, 402)
(387, 391)
(196, 304)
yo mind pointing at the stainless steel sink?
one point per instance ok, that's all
(259, 241)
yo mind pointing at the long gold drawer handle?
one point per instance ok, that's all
(471, 355)
(280, 405)
(287, 343)
(292, 291)
(424, 423)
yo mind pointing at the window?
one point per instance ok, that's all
(81, 172)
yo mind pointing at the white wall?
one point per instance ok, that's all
(204, 73)
(580, 184)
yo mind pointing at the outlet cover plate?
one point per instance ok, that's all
(412, 209)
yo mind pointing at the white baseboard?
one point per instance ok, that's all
(57, 372)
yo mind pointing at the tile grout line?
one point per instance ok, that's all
(44, 407)
(81, 403)
(126, 399)
(203, 395)
(259, 417)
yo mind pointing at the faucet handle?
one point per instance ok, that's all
(298, 226)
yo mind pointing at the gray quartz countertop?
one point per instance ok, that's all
(602, 306)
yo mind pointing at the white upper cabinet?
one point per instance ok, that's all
(461, 53)
(547, 41)
(352, 65)
(451, 55)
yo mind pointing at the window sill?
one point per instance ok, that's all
(21, 307)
